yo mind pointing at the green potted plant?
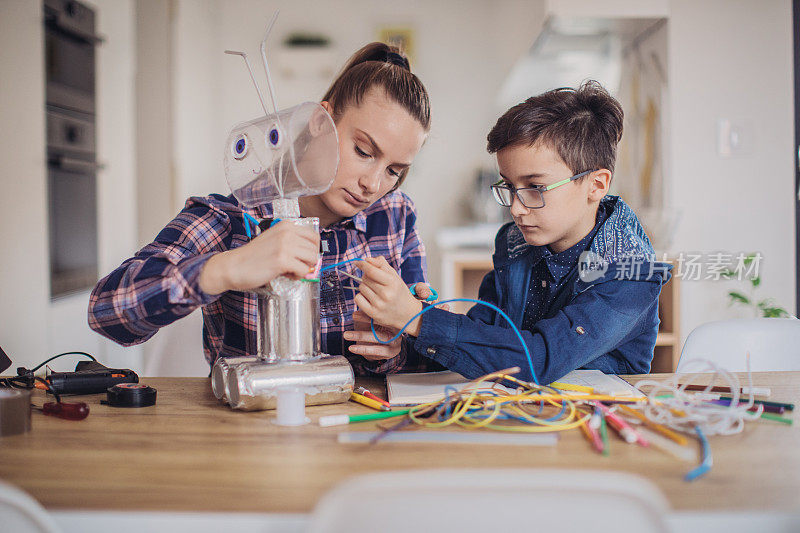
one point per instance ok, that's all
(762, 307)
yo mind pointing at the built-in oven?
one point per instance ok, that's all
(70, 45)
(69, 55)
(72, 202)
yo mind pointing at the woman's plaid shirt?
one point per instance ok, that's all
(159, 284)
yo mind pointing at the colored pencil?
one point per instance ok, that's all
(571, 387)
(776, 418)
(758, 391)
(626, 432)
(787, 406)
(593, 437)
(604, 434)
(369, 402)
(766, 408)
(677, 437)
(368, 394)
(339, 420)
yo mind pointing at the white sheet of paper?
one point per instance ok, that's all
(424, 387)
(601, 383)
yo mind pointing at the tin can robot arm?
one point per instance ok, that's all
(284, 249)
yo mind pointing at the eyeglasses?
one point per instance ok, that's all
(530, 197)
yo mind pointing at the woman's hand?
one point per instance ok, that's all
(282, 250)
(365, 343)
(384, 296)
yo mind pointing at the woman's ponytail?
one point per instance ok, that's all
(385, 66)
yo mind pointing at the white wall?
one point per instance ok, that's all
(732, 59)
(24, 270)
(198, 133)
(155, 149)
(31, 326)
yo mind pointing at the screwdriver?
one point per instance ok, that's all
(66, 410)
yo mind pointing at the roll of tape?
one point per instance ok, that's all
(15, 411)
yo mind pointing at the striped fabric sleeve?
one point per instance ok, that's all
(413, 266)
(413, 269)
(159, 284)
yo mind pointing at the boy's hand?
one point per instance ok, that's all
(366, 346)
(384, 296)
(423, 291)
(283, 249)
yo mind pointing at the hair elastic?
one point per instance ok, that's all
(396, 59)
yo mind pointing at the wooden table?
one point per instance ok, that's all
(190, 453)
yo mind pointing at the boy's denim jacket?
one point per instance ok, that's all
(605, 316)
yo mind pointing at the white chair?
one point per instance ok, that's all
(490, 500)
(773, 344)
(22, 514)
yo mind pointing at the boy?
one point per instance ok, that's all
(556, 154)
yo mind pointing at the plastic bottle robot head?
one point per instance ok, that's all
(284, 154)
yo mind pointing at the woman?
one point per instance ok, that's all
(204, 258)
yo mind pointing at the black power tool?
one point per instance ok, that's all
(90, 377)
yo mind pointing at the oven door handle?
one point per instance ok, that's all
(67, 164)
(54, 20)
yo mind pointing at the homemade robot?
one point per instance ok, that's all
(276, 159)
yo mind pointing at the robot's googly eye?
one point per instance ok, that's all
(274, 137)
(239, 147)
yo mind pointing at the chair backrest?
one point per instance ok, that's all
(22, 514)
(773, 344)
(491, 499)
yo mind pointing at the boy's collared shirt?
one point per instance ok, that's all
(550, 272)
(160, 283)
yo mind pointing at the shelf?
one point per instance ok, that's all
(665, 339)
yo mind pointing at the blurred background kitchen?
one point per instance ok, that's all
(707, 159)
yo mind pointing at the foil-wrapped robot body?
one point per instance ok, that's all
(276, 159)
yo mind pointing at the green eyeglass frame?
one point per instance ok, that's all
(530, 197)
